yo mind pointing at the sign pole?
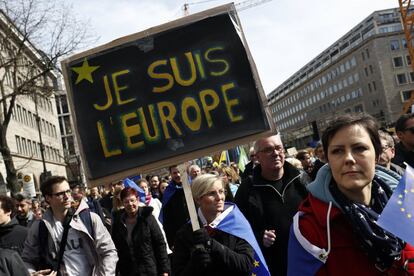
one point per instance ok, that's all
(189, 198)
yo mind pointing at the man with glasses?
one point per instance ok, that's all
(388, 153)
(85, 253)
(269, 199)
(404, 150)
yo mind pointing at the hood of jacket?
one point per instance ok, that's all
(319, 188)
(143, 212)
(82, 206)
(5, 228)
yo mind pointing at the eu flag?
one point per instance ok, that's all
(128, 183)
(304, 258)
(398, 215)
(236, 224)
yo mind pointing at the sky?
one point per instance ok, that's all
(283, 35)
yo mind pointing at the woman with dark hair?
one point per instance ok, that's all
(138, 239)
(336, 223)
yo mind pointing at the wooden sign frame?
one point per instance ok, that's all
(180, 158)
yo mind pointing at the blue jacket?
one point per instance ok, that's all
(320, 187)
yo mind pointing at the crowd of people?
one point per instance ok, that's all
(326, 200)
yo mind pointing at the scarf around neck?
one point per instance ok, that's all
(381, 246)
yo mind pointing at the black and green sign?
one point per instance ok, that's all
(163, 95)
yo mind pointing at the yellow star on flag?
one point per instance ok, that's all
(85, 71)
(256, 263)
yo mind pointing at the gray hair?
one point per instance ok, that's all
(23, 196)
(203, 183)
(194, 166)
(387, 137)
(258, 142)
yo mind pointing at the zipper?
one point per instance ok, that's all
(282, 196)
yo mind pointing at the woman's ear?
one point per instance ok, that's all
(197, 201)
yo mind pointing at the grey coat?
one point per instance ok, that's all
(101, 251)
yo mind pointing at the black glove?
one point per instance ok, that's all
(201, 237)
(200, 258)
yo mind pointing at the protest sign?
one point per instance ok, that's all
(165, 95)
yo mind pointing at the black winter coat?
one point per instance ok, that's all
(231, 256)
(12, 236)
(11, 264)
(175, 214)
(265, 208)
(403, 155)
(149, 247)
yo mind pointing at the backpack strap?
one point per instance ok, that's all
(43, 240)
(85, 216)
(63, 241)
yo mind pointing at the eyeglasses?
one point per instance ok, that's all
(384, 148)
(220, 192)
(270, 150)
(411, 129)
(61, 194)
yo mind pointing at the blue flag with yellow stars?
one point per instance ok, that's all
(236, 224)
(398, 215)
(128, 183)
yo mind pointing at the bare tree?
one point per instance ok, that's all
(34, 36)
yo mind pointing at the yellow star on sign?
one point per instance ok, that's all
(256, 263)
(84, 71)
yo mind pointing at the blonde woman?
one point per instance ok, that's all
(212, 250)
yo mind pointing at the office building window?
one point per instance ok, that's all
(29, 147)
(405, 95)
(395, 45)
(353, 61)
(397, 61)
(34, 148)
(359, 108)
(408, 60)
(401, 79)
(356, 77)
(366, 71)
(19, 144)
(411, 76)
(404, 43)
(24, 146)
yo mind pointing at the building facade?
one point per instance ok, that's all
(74, 168)
(366, 70)
(34, 122)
